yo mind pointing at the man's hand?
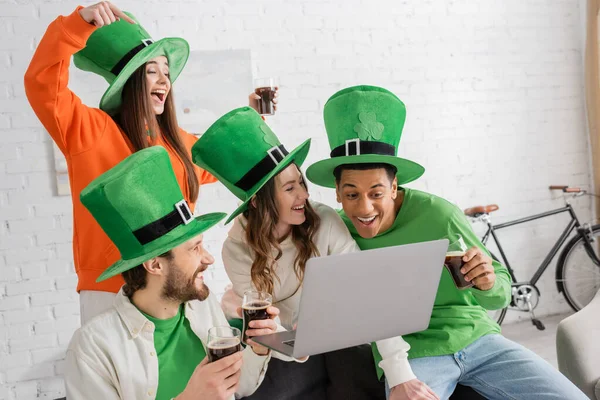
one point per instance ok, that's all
(217, 380)
(103, 13)
(260, 328)
(253, 99)
(412, 390)
(478, 269)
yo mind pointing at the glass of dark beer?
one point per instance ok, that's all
(223, 341)
(265, 88)
(254, 307)
(454, 262)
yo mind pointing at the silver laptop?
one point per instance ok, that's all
(357, 298)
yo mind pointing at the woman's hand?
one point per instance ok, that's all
(103, 13)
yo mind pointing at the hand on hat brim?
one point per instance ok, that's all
(103, 13)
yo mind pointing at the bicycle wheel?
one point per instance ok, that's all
(577, 277)
(498, 315)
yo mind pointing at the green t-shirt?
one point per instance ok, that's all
(459, 317)
(179, 352)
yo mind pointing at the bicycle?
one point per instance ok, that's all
(577, 258)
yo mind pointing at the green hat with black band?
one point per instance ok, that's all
(243, 153)
(143, 219)
(364, 125)
(117, 50)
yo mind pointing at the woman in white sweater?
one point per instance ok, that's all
(275, 231)
(279, 270)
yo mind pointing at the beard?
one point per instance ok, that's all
(178, 287)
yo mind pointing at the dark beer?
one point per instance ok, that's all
(223, 347)
(454, 263)
(265, 104)
(256, 310)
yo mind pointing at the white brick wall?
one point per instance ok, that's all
(495, 112)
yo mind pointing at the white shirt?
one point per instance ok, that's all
(113, 356)
(331, 238)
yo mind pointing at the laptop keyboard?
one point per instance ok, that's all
(290, 342)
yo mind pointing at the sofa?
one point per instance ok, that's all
(578, 348)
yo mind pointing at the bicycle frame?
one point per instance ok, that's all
(573, 224)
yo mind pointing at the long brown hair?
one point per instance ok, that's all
(262, 217)
(136, 114)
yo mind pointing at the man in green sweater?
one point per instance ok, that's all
(462, 344)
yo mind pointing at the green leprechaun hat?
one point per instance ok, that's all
(115, 51)
(143, 219)
(242, 152)
(364, 125)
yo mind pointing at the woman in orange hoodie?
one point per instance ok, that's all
(135, 112)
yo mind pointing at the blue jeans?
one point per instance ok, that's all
(498, 369)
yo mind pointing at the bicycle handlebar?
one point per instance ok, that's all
(566, 189)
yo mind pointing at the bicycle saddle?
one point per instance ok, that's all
(479, 210)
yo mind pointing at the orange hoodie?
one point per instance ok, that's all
(90, 140)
